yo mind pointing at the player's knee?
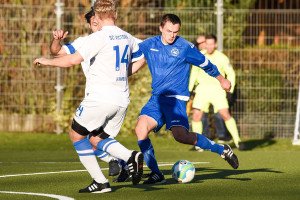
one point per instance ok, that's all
(225, 116)
(138, 130)
(141, 132)
(74, 136)
(197, 115)
(94, 141)
(196, 118)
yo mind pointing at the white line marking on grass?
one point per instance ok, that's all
(42, 173)
(161, 164)
(14, 162)
(171, 164)
(54, 196)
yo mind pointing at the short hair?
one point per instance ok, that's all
(105, 9)
(174, 19)
(211, 36)
(89, 15)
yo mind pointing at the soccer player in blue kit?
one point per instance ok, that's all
(169, 57)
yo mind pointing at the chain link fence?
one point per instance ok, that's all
(263, 46)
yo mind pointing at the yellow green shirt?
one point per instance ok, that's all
(198, 76)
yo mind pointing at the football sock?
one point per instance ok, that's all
(149, 157)
(103, 155)
(232, 128)
(88, 159)
(206, 144)
(197, 127)
(114, 148)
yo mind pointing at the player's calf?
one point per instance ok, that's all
(181, 135)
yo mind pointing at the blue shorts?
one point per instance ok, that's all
(166, 110)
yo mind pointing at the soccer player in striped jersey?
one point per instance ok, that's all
(102, 111)
(169, 57)
(57, 49)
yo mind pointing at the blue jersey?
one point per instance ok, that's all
(169, 65)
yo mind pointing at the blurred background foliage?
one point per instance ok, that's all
(267, 74)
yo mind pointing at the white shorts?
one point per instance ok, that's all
(95, 115)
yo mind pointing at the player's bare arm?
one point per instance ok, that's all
(135, 66)
(225, 84)
(63, 61)
(56, 46)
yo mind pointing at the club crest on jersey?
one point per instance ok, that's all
(174, 51)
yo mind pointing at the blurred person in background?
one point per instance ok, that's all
(200, 44)
(222, 132)
(208, 92)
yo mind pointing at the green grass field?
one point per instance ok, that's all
(270, 169)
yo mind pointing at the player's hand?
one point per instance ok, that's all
(225, 84)
(59, 34)
(40, 61)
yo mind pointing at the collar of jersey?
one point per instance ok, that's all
(108, 26)
(168, 44)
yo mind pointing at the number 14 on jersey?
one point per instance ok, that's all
(124, 58)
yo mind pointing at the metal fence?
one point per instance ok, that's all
(263, 46)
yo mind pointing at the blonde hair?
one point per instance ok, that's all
(106, 9)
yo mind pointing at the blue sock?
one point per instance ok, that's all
(83, 147)
(100, 154)
(206, 144)
(114, 148)
(149, 157)
(104, 144)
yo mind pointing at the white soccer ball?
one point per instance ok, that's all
(183, 171)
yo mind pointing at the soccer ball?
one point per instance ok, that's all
(183, 171)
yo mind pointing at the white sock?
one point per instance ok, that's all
(104, 156)
(114, 148)
(92, 166)
(88, 159)
(107, 158)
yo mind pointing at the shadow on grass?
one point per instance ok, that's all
(206, 174)
(252, 144)
(228, 174)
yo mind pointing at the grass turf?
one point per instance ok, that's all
(270, 169)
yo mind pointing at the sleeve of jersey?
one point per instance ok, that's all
(198, 59)
(193, 77)
(71, 48)
(92, 45)
(230, 74)
(137, 54)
